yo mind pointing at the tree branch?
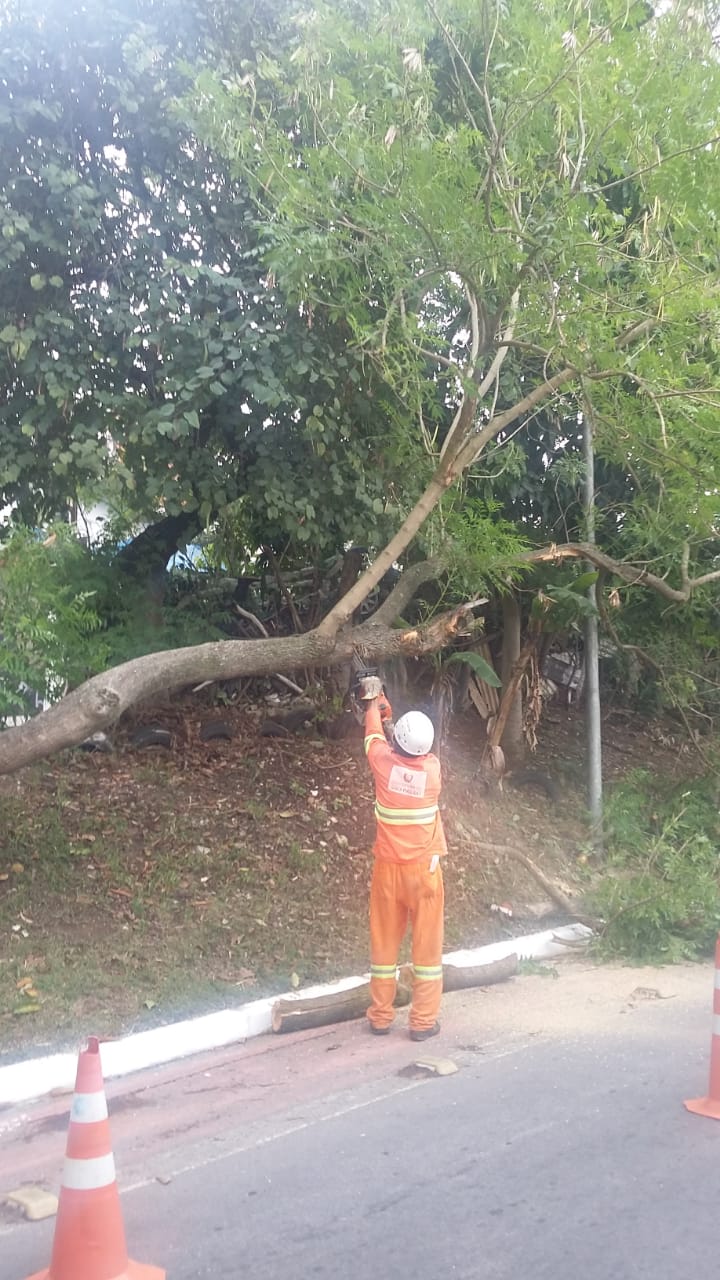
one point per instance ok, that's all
(490, 377)
(449, 470)
(657, 164)
(403, 592)
(466, 410)
(475, 444)
(444, 476)
(103, 699)
(559, 897)
(634, 575)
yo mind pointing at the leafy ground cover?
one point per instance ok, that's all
(142, 885)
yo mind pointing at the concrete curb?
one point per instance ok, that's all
(22, 1081)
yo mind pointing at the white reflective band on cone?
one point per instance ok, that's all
(88, 1108)
(88, 1175)
(717, 979)
(716, 1024)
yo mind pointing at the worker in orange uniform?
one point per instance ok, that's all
(407, 884)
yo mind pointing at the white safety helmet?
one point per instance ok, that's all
(414, 733)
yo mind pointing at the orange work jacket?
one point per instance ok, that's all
(407, 791)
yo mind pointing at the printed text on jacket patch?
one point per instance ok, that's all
(407, 782)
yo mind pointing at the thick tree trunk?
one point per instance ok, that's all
(147, 555)
(101, 700)
(512, 741)
(145, 558)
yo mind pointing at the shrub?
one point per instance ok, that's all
(49, 626)
(660, 895)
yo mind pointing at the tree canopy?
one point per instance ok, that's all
(144, 356)
(512, 227)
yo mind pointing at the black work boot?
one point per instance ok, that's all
(427, 1033)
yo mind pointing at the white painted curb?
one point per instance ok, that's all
(22, 1081)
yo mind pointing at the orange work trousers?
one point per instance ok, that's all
(402, 894)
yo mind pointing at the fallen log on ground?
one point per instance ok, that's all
(300, 1013)
(457, 977)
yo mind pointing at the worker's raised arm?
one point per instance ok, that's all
(374, 733)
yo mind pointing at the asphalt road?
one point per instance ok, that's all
(561, 1145)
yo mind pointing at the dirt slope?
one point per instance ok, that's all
(143, 884)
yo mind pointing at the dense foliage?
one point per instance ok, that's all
(410, 167)
(145, 357)
(660, 897)
(49, 617)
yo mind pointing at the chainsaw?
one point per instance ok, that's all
(357, 701)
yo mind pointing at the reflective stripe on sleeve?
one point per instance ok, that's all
(88, 1175)
(373, 737)
(384, 813)
(428, 972)
(88, 1108)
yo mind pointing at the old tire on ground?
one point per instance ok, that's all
(152, 736)
(216, 730)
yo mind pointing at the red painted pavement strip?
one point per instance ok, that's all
(213, 1097)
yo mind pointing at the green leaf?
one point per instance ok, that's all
(584, 581)
(478, 665)
(38, 281)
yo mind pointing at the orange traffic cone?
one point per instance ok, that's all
(89, 1241)
(710, 1106)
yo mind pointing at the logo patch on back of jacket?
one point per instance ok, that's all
(407, 782)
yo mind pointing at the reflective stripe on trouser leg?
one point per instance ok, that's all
(388, 922)
(426, 897)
